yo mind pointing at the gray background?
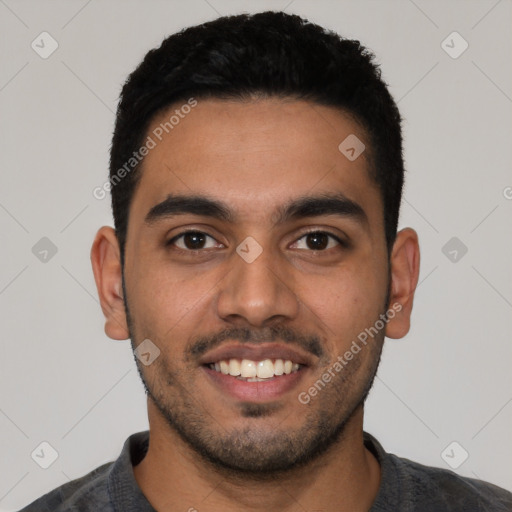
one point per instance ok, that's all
(64, 382)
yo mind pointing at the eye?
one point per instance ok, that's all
(193, 241)
(318, 241)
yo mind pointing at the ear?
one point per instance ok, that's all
(106, 265)
(405, 268)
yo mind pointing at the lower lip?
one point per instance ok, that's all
(259, 391)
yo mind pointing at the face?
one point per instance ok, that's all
(256, 276)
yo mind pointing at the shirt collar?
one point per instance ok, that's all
(126, 495)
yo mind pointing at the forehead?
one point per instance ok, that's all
(254, 155)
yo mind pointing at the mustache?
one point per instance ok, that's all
(202, 344)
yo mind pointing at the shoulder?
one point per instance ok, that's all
(89, 492)
(108, 487)
(441, 489)
(409, 486)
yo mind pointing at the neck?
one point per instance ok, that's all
(173, 477)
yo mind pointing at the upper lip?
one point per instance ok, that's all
(257, 352)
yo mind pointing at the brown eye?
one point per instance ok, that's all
(193, 241)
(318, 241)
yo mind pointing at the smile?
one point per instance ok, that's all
(255, 371)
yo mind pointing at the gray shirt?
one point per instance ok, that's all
(405, 486)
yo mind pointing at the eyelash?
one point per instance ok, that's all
(341, 242)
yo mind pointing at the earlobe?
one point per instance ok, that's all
(405, 267)
(106, 265)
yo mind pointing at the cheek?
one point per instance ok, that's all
(162, 301)
(345, 304)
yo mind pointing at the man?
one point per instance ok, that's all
(256, 176)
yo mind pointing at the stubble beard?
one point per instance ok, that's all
(255, 451)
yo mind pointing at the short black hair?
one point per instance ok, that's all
(267, 54)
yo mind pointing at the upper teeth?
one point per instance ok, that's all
(265, 369)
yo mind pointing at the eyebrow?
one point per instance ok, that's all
(301, 207)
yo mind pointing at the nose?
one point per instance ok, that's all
(257, 292)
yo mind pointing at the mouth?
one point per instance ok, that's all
(248, 370)
(256, 373)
